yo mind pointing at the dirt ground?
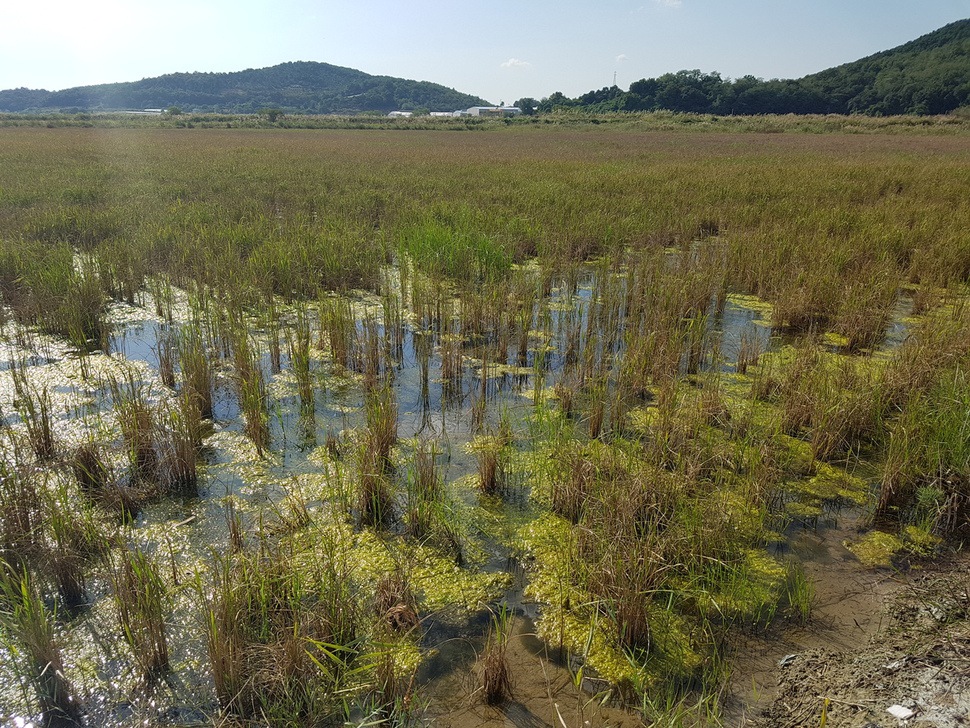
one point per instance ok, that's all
(908, 657)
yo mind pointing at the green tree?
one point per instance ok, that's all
(528, 105)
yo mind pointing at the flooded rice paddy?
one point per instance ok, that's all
(410, 450)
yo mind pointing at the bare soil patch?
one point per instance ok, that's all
(917, 662)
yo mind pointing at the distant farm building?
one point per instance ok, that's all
(488, 111)
(491, 111)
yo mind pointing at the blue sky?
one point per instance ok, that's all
(500, 50)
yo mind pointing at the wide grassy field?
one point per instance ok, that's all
(287, 413)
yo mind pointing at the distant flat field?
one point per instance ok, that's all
(553, 192)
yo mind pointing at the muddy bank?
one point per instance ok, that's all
(903, 645)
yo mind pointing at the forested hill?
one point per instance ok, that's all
(930, 75)
(308, 87)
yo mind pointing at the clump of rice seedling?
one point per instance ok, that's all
(198, 379)
(573, 485)
(271, 324)
(179, 459)
(282, 638)
(424, 490)
(75, 538)
(141, 598)
(394, 603)
(799, 592)
(496, 674)
(90, 469)
(392, 695)
(166, 359)
(20, 517)
(381, 412)
(253, 402)
(490, 453)
(138, 429)
(235, 526)
(375, 500)
(31, 626)
(337, 325)
(749, 350)
(299, 346)
(332, 445)
(866, 305)
(34, 408)
(926, 478)
(375, 352)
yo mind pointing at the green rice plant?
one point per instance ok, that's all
(927, 470)
(374, 495)
(253, 400)
(166, 359)
(799, 593)
(374, 353)
(180, 447)
(299, 349)
(380, 409)
(235, 527)
(271, 325)
(21, 517)
(452, 244)
(141, 599)
(492, 464)
(496, 678)
(198, 379)
(138, 427)
(55, 289)
(338, 328)
(392, 700)
(282, 638)
(424, 490)
(89, 467)
(30, 628)
(75, 539)
(34, 408)
(936, 344)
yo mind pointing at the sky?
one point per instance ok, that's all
(500, 50)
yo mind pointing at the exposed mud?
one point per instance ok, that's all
(544, 692)
(897, 644)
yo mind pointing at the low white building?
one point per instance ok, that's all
(492, 111)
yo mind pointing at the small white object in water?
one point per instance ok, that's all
(900, 711)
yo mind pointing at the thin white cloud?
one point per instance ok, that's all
(516, 63)
(622, 58)
(668, 3)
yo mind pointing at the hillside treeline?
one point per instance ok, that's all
(930, 75)
(305, 87)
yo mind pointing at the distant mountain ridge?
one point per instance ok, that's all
(929, 75)
(300, 86)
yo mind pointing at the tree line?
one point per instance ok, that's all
(930, 75)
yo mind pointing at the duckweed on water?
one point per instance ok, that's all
(876, 548)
